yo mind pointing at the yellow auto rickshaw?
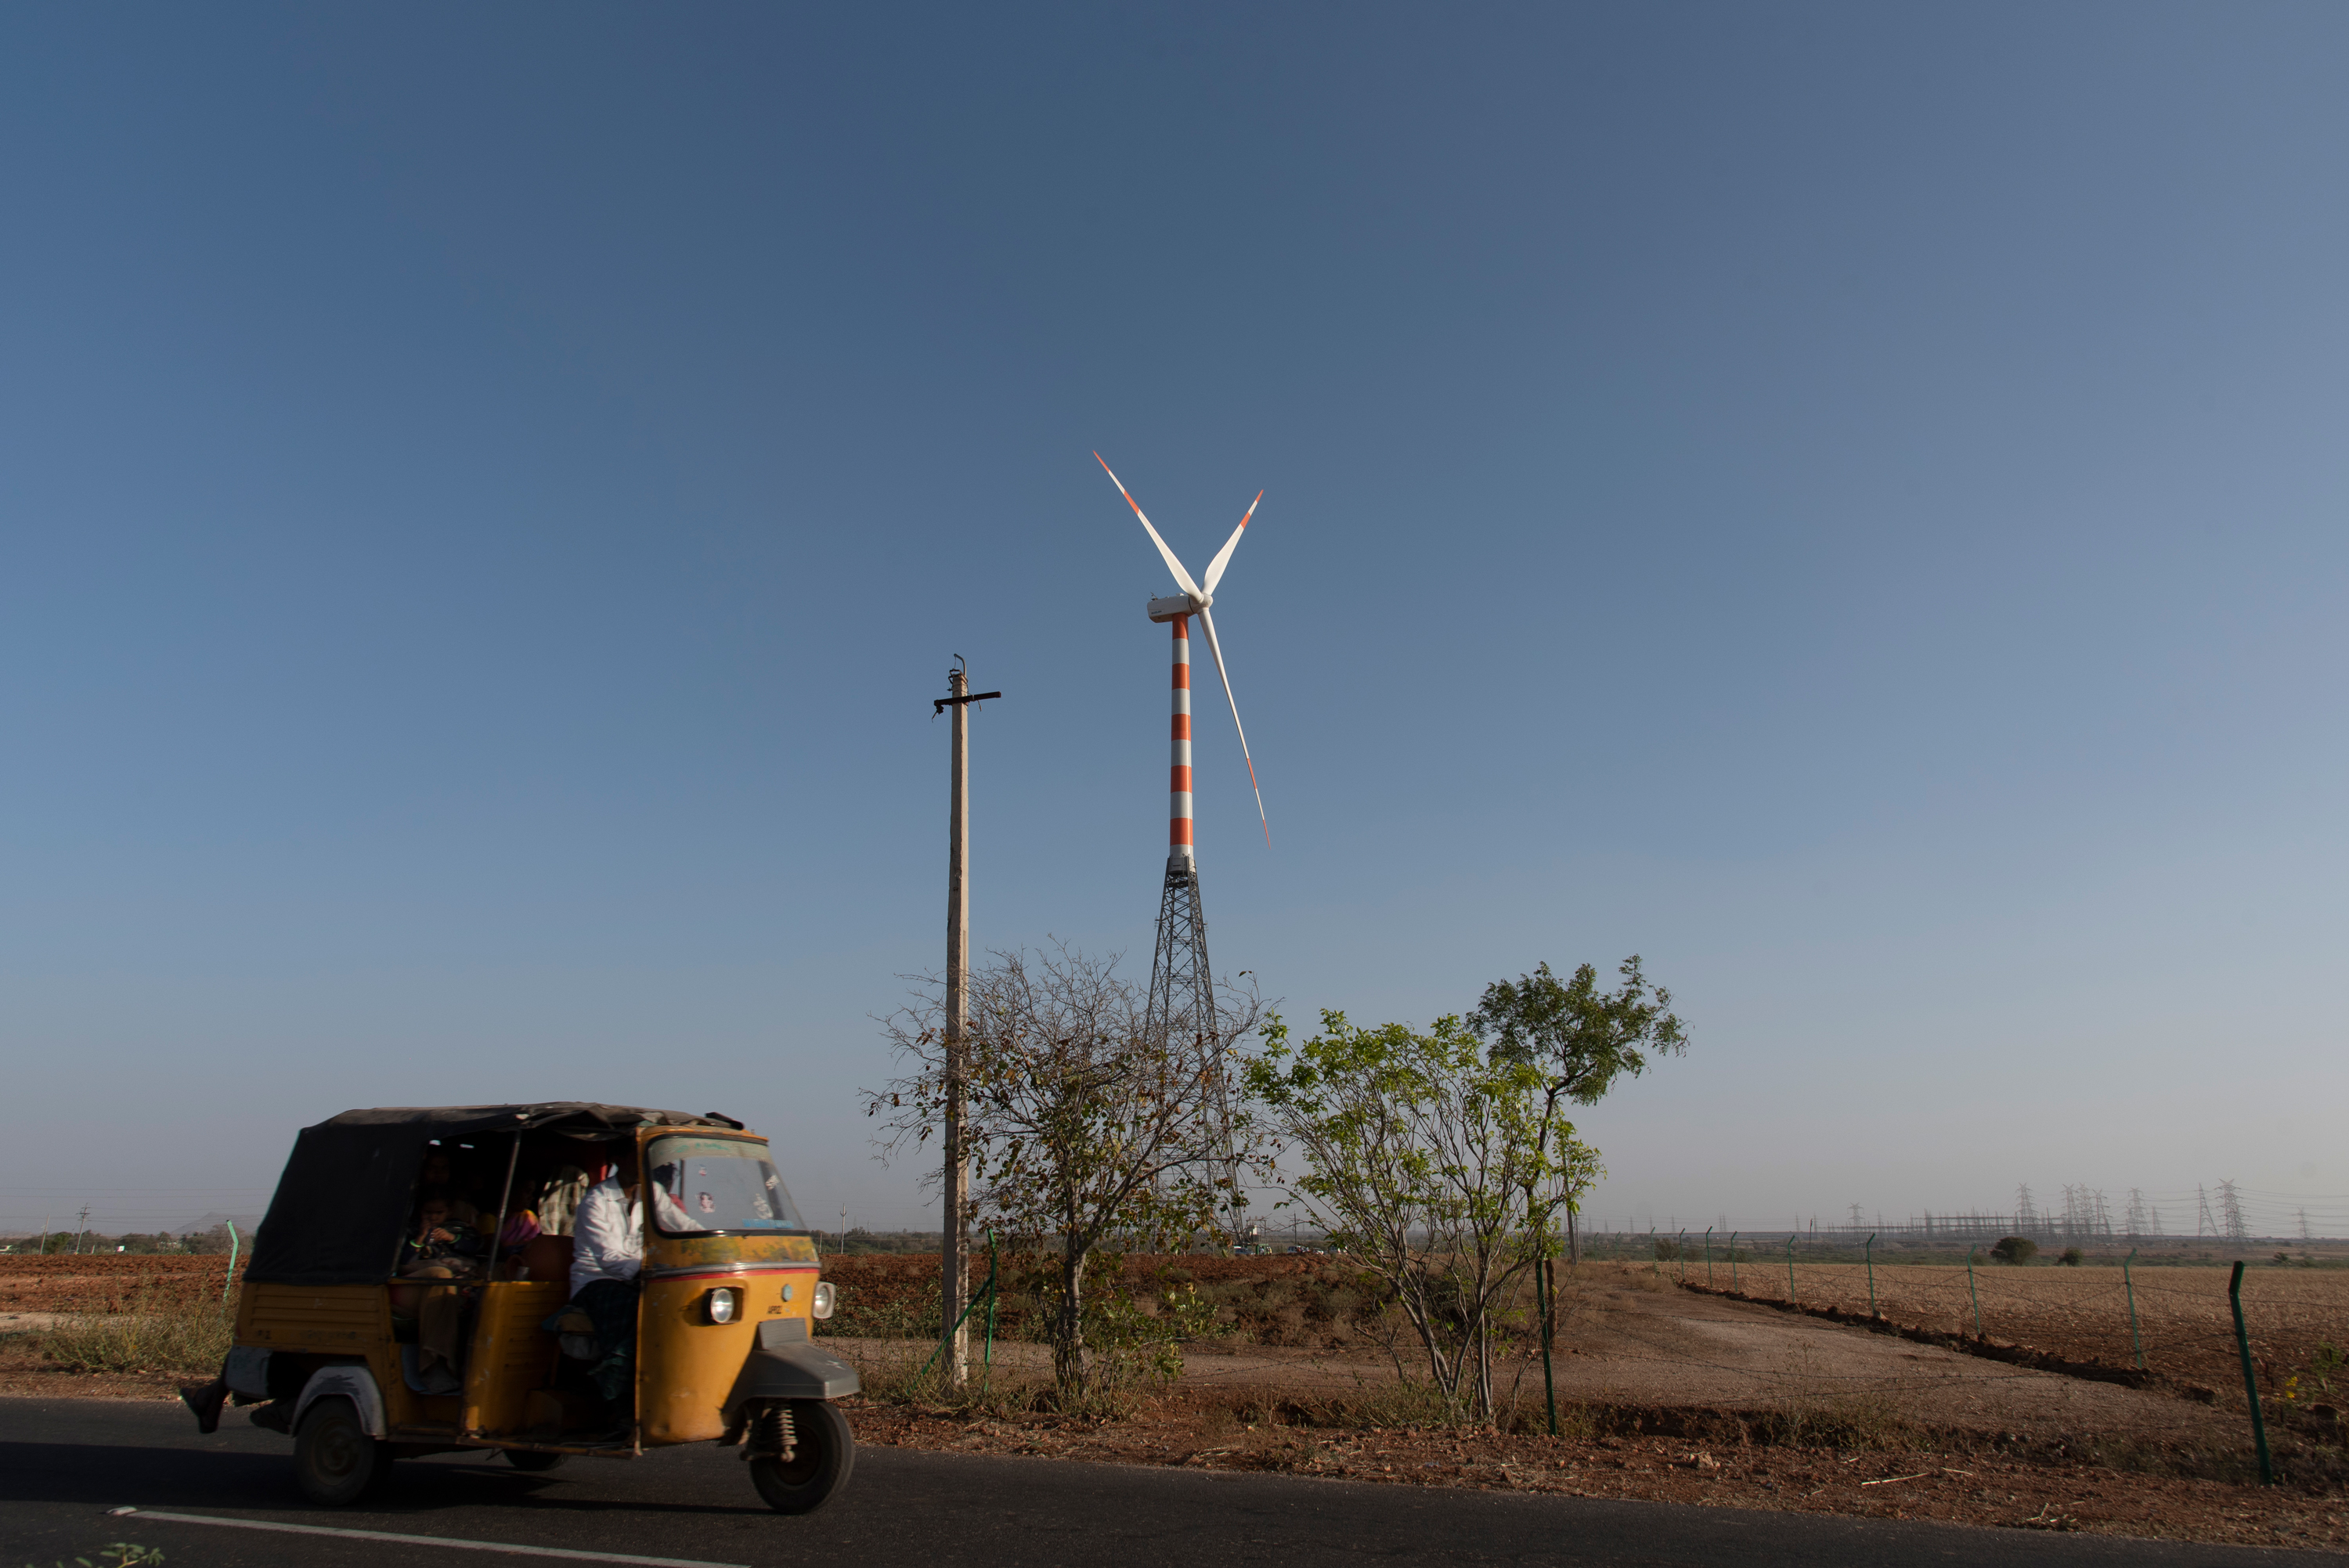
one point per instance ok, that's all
(363, 1357)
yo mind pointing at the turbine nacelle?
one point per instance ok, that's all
(1180, 606)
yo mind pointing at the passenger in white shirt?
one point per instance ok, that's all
(608, 1234)
(607, 1239)
(607, 1250)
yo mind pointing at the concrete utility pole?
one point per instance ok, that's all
(954, 1267)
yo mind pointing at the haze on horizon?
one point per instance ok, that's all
(1845, 503)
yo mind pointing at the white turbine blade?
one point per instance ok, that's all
(1223, 556)
(1208, 623)
(1182, 578)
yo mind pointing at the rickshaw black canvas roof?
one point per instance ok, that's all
(343, 1202)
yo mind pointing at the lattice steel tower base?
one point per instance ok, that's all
(1181, 987)
(1182, 1002)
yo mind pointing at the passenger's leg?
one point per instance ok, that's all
(613, 1304)
(407, 1300)
(206, 1400)
(439, 1318)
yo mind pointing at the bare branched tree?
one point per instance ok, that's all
(1086, 1123)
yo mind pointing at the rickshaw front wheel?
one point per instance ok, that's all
(822, 1453)
(335, 1462)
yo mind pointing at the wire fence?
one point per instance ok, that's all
(2216, 1212)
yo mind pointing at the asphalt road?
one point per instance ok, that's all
(64, 1464)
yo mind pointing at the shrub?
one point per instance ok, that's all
(2072, 1257)
(2015, 1250)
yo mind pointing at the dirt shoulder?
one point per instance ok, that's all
(1960, 1486)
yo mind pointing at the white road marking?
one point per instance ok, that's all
(424, 1540)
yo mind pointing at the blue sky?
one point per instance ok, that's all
(1845, 502)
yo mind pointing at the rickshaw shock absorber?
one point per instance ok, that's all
(771, 1437)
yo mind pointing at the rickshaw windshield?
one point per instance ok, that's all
(718, 1184)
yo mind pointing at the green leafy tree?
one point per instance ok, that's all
(1088, 1124)
(216, 1239)
(1424, 1164)
(1581, 1039)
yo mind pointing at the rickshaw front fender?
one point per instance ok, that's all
(787, 1364)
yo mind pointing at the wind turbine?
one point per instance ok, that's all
(1182, 988)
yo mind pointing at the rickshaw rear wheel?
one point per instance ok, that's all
(336, 1462)
(533, 1460)
(823, 1451)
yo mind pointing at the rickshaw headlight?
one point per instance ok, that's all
(725, 1304)
(822, 1304)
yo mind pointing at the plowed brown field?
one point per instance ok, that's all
(2081, 1315)
(109, 1283)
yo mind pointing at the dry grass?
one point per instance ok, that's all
(148, 1338)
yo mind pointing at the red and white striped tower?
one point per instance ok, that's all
(1178, 780)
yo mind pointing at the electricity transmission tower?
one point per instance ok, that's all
(2230, 1213)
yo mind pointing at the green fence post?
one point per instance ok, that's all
(1971, 1291)
(2128, 1285)
(961, 1318)
(232, 1261)
(1732, 1260)
(1791, 1296)
(1868, 1251)
(989, 1361)
(1708, 1257)
(2251, 1380)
